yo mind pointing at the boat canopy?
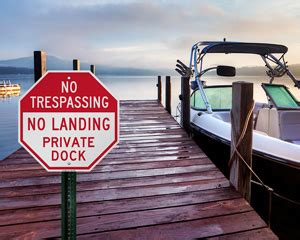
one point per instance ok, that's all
(276, 65)
(242, 47)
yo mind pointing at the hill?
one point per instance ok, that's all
(24, 65)
(55, 63)
(260, 71)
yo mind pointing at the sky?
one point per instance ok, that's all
(144, 34)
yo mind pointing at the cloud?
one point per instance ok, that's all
(140, 33)
(209, 10)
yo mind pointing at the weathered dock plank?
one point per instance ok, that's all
(156, 184)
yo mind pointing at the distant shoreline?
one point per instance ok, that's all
(242, 71)
(24, 65)
(15, 70)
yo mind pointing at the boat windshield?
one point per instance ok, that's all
(219, 97)
(280, 96)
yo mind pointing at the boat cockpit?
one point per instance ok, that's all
(280, 118)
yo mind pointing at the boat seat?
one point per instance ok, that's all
(289, 125)
(296, 142)
(268, 122)
(224, 116)
(259, 132)
(281, 124)
(262, 121)
(258, 106)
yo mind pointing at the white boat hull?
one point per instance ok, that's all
(283, 151)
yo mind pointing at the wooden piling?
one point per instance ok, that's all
(39, 64)
(158, 89)
(185, 104)
(93, 69)
(76, 64)
(242, 100)
(168, 94)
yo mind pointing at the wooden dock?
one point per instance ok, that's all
(156, 184)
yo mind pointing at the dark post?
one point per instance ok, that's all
(68, 205)
(93, 69)
(68, 195)
(76, 64)
(242, 102)
(159, 89)
(168, 94)
(185, 104)
(39, 64)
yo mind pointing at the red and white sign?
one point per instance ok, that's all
(68, 121)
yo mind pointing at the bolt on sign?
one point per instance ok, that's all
(68, 121)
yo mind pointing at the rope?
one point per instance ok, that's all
(278, 195)
(177, 110)
(241, 137)
(235, 145)
(270, 207)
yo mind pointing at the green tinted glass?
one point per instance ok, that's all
(280, 96)
(197, 100)
(218, 97)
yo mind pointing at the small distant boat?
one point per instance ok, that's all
(9, 89)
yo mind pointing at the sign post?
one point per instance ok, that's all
(68, 195)
(68, 205)
(68, 121)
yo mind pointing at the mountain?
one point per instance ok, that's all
(24, 62)
(251, 71)
(260, 71)
(25, 65)
(55, 63)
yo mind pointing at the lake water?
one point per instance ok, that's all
(122, 87)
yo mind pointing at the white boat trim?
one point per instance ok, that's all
(280, 150)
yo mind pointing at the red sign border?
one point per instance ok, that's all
(71, 169)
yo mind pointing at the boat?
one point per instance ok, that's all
(9, 89)
(276, 124)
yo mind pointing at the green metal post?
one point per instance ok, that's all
(68, 205)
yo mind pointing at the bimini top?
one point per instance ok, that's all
(241, 47)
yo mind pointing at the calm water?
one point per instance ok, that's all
(121, 87)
